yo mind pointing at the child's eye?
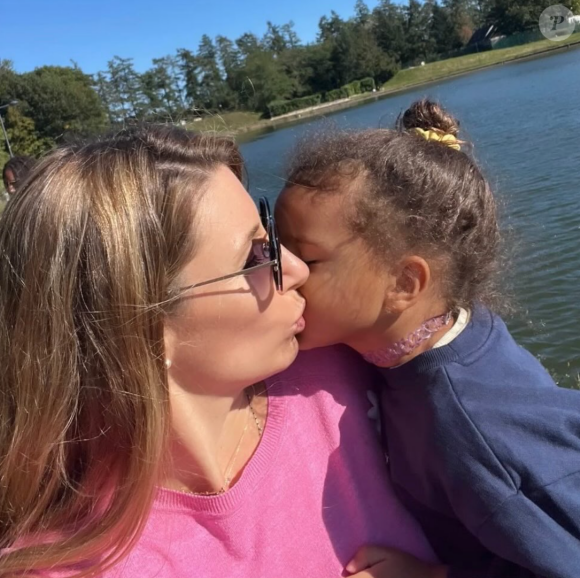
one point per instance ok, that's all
(260, 254)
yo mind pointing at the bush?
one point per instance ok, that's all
(279, 107)
(336, 94)
(367, 84)
(353, 87)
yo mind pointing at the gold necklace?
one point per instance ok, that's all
(256, 420)
(230, 466)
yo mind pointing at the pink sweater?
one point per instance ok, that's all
(314, 492)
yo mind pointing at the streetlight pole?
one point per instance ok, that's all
(4, 128)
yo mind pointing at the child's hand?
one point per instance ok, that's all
(374, 562)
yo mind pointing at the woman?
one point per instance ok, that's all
(143, 302)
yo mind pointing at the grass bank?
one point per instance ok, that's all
(455, 66)
(242, 122)
(228, 122)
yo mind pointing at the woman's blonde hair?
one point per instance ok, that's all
(89, 249)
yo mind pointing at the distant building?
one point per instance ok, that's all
(484, 38)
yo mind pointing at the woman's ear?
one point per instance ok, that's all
(412, 279)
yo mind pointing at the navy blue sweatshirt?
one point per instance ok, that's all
(484, 450)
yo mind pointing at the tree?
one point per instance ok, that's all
(317, 70)
(188, 67)
(443, 32)
(230, 61)
(265, 81)
(292, 63)
(213, 91)
(247, 44)
(460, 14)
(10, 82)
(478, 10)
(511, 17)
(362, 13)
(24, 139)
(356, 55)
(59, 100)
(162, 87)
(329, 27)
(290, 36)
(6, 64)
(229, 55)
(263, 70)
(274, 39)
(389, 29)
(52, 101)
(127, 101)
(417, 32)
(102, 86)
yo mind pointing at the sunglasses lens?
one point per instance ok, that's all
(272, 231)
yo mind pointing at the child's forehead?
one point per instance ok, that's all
(310, 205)
(312, 217)
(332, 200)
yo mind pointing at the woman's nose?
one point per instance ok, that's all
(294, 270)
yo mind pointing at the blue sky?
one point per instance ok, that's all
(37, 32)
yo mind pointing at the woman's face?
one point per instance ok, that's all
(230, 334)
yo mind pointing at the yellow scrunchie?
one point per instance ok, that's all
(447, 139)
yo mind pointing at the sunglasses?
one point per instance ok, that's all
(271, 250)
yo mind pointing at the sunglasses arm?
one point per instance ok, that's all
(230, 276)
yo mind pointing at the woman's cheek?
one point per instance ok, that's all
(261, 287)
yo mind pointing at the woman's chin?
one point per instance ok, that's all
(287, 358)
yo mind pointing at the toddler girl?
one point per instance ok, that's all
(400, 231)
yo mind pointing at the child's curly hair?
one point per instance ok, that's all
(413, 196)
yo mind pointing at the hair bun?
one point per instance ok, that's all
(429, 115)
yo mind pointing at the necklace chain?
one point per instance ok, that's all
(256, 420)
(231, 463)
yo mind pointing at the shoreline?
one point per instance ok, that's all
(268, 125)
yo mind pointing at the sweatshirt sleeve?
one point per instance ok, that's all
(526, 541)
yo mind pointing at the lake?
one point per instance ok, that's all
(524, 121)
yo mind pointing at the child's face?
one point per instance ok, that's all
(345, 291)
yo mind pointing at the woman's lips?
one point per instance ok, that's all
(299, 325)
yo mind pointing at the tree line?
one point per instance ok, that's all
(249, 72)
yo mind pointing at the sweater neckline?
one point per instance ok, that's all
(252, 474)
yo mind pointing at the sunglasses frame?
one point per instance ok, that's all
(275, 247)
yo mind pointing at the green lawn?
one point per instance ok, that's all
(445, 68)
(228, 122)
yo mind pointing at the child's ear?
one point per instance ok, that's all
(412, 279)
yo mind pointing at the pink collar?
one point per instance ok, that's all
(390, 355)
